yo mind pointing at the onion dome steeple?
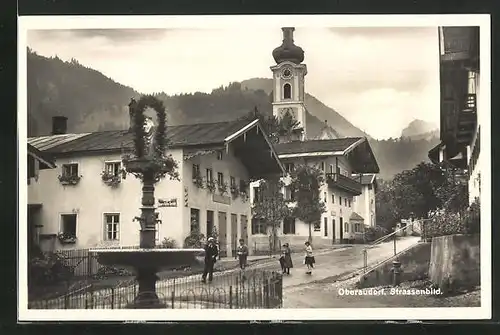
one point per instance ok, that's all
(288, 51)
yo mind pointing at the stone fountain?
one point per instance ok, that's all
(150, 164)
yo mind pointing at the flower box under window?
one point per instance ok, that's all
(211, 185)
(233, 188)
(112, 174)
(196, 174)
(222, 186)
(69, 175)
(235, 191)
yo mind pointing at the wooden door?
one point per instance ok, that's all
(223, 234)
(210, 223)
(341, 230)
(234, 233)
(244, 228)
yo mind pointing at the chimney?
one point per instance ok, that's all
(59, 125)
(288, 35)
(131, 107)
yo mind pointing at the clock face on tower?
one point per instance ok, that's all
(286, 73)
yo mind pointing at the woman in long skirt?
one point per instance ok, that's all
(309, 259)
(287, 259)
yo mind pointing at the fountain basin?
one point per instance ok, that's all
(159, 259)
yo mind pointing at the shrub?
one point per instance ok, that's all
(472, 219)
(110, 271)
(194, 239)
(215, 233)
(446, 223)
(168, 243)
(48, 268)
(374, 233)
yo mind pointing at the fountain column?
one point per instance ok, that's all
(149, 164)
(146, 274)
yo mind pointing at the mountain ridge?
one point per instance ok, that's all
(94, 102)
(420, 129)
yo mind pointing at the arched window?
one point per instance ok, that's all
(287, 91)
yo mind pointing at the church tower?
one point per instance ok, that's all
(288, 81)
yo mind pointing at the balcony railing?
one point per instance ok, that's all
(336, 180)
(471, 102)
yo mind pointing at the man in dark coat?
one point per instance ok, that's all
(211, 253)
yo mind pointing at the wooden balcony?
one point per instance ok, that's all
(336, 180)
(467, 120)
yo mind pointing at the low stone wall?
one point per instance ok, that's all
(455, 262)
(414, 265)
(259, 245)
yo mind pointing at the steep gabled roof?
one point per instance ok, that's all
(356, 216)
(202, 134)
(45, 160)
(45, 143)
(357, 149)
(337, 145)
(247, 138)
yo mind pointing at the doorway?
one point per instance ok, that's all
(333, 231)
(210, 223)
(222, 234)
(234, 233)
(341, 230)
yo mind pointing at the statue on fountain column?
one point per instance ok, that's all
(149, 138)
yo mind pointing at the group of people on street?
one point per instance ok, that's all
(212, 251)
(286, 259)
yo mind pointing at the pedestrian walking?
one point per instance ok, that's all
(211, 252)
(287, 259)
(309, 259)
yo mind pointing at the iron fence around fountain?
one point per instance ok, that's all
(253, 289)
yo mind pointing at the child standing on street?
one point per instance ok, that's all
(309, 259)
(242, 253)
(287, 259)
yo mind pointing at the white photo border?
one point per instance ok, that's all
(26, 23)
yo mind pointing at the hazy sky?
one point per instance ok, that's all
(380, 79)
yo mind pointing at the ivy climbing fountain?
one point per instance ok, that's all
(150, 164)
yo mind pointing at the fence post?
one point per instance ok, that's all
(266, 293)
(173, 294)
(365, 260)
(66, 301)
(424, 224)
(281, 289)
(92, 296)
(395, 244)
(89, 264)
(112, 298)
(231, 297)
